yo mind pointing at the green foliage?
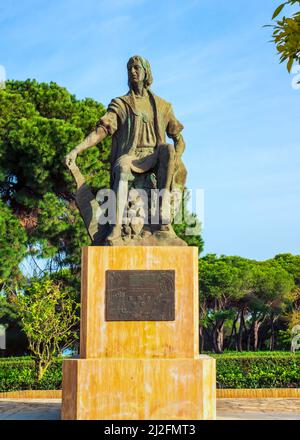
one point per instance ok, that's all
(272, 285)
(286, 34)
(291, 264)
(245, 303)
(15, 360)
(237, 372)
(285, 338)
(243, 370)
(12, 245)
(193, 224)
(21, 374)
(223, 279)
(254, 354)
(49, 319)
(39, 125)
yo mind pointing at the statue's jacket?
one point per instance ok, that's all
(123, 122)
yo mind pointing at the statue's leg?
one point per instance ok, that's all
(122, 173)
(166, 168)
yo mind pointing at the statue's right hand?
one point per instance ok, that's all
(70, 159)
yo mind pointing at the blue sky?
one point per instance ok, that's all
(214, 62)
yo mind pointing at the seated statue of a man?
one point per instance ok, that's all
(138, 123)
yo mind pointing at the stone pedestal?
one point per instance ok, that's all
(139, 369)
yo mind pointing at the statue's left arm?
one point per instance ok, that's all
(174, 129)
(179, 144)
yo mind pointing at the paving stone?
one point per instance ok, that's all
(227, 409)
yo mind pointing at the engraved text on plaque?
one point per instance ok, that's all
(140, 295)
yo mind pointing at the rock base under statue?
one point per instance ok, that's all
(157, 239)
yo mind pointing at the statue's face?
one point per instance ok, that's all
(136, 72)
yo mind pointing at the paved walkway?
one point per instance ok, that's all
(258, 409)
(30, 409)
(228, 409)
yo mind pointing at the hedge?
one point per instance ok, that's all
(256, 354)
(259, 370)
(18, 375)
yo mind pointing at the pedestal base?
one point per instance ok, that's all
(139, 389)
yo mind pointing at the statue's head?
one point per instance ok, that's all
(139, 70)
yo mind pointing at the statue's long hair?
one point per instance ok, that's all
(146, 65)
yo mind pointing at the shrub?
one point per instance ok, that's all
(258, 371)
(237, 371)
(20, 374)
(49, 317)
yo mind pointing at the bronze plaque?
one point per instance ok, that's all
(140, 295)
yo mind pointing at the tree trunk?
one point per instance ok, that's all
(41, 371)
(255, 334)
(249, 339)
(272, 338)
(218, 337)
(241, 331)
(42, 367)
(214, 340)
(220, 341)
(263, 335)
(201, 335)
(233, 333)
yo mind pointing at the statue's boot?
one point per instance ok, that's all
(165, 222)
(166, 229)
(115, 234)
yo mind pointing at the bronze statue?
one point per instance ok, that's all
(141, 159)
